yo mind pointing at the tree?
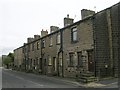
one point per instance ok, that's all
(8, 59)
(11, 55)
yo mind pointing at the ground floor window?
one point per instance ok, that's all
(49, 61)
(80, 61)
(71, 59)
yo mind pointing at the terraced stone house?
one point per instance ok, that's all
(89, 46)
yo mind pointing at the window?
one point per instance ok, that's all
(74, 34)
(58, 39)
(51, 41)
(43, 43)
(23, 49)
(49, 61)
(28, 48)
(71, 57)
(32, 46)
(38, 45)
(80, 62)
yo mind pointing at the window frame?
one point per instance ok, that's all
(43, 43)
(38, 45)
(71, 60)
(58, 39)
(73, 31)
(28, 47)
(51, 41)
(80, 61)
(49, 61)
(33, 46)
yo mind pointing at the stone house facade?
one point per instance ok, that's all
(18, 57)
(88, 45)
(78, 48)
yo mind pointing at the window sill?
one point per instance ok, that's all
(50, 45)
(58, 44)
(43, 47)
(49, 65)
(70, 66)
(74, 42)
(78, 66)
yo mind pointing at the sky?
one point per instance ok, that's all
(20, 19)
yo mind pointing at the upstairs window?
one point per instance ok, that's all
(23, 49)
(28, 48)
(43, 43)
(38, 45)
(74, 34)
(32, 46)
(51, 41)
(58, 39)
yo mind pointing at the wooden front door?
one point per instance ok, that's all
(40, 64)
(90, 61)
(54, 64)
(45, 66)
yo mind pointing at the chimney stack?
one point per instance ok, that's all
(53, 28)
(86, 13)
(30, 39)
(36, 37)
(44, 33)
(68, 21)
(24, 44)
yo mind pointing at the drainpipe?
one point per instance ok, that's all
(94, 48)
(61, 33)
(41, 58)
(61, 51)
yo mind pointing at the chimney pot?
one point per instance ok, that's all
(68, 21)
(67, 15)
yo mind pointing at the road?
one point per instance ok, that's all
(0, 78)
(14, 79)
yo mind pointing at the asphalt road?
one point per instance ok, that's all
(0, 78)
(14, 79)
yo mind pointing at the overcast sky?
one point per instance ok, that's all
(20, 19)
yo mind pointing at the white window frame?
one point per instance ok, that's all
(74, 34)
(58, 39)
(49, 60)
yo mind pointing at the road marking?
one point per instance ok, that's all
(25, 79)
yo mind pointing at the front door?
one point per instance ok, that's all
(54, 64)
(60, 65)
(45, 66)
(90, 61)
(40, 64)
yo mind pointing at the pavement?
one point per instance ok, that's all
(109, 82)
(104, 83)
(54, 81)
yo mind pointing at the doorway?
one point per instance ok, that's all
(90, 60)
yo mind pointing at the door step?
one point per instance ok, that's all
(86, 77)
